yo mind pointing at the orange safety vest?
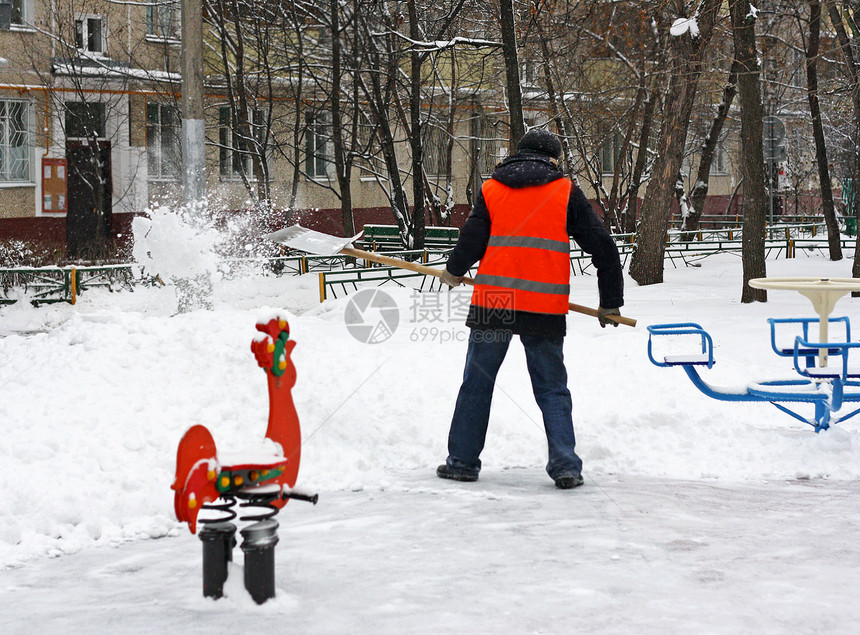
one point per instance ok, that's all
(527, 263)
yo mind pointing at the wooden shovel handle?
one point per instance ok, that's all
(437, 273)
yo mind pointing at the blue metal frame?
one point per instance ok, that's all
(682, 328)
(804, 323)
(827, 391)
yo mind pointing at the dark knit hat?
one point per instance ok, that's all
(542, 141)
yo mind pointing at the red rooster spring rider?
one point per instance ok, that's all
(264, 480)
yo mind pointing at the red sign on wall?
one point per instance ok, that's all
(54, 194)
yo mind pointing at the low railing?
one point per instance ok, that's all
(46, 285)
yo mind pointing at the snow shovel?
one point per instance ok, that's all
(320, 244)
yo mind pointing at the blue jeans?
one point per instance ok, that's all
(545, 361)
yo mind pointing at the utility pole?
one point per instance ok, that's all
(193, 130)
(195, 291)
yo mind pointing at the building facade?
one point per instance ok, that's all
(90, 123)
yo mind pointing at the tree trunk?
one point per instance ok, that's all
(512, 73)
(828, 208)
(552, 98)
(752, 161)
(370, 82)
(853, 71)
(703, 174)
(630, 214)
(646, 265)
(418, 222)
(298, 95)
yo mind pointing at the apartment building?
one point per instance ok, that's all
(90, 129)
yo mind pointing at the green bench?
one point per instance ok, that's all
(387, 237)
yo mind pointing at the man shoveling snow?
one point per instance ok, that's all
(519, 229)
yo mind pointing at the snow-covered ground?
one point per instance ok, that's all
(696, 515)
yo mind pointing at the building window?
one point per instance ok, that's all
(85, 120)
(22, 12)
(232, 157)
(318, 161)
(235, 151)
(163, 155)
(491, 147)
(530, 71)
(435, 147)
(364, 154)
(610, 152)
(91, 34)
(162, 19)
(16, 147)
(720, 163)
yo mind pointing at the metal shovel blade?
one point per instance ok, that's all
(313, 242)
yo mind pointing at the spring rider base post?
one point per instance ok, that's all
(218, 541)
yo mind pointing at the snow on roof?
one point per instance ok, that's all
(90, 67)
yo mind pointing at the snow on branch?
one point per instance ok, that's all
(441, 45)
(685, 25)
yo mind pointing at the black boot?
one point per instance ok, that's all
(443, 471)
(568, 482)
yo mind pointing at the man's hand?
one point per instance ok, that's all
(603, 319)
(450, 279)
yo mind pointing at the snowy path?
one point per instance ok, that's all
(697, 516)
(508, 554)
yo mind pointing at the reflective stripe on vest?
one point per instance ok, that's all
(524, 285)
(526, 266)
(530, 241)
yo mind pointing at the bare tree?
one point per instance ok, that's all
(601, 71)
(812, 54)
(851, 70)
(245, 37)
(512, 72)
(342, 157)
(689, 48)
(752, 162)
(378, 83)
(699, 192)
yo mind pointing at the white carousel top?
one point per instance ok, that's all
(822, 292)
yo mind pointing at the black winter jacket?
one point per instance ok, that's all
(583, 225)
